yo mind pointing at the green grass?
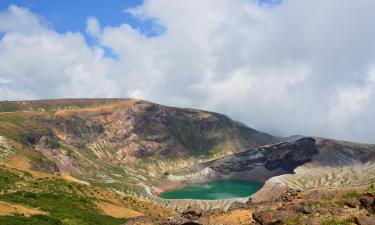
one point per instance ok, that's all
(8, 179)
(50, 106)
(8, 106)
(57, 197)
(330, 221)
(371, 189)
(13, 118)
(68, 208)
(352, 194)
(294, 220)
(32, 220)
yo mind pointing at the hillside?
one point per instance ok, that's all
(119, 140)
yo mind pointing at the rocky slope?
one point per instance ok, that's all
(256, 165)
(121, 140)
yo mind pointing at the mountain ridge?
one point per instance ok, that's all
(84, 136)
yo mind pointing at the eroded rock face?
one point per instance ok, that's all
(286, 156)
(289, 155)
(79, 131)
(259, 164)
(142, 129)
(124, 133)
(44, 136)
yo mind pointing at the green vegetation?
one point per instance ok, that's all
(13, 118)
(330, 221)
(52, 105)
(8, 106)
(8, 179)
(371, 189)
(352, 194)
(32, 220)
(67, 208)
(59, 198)
(294, 220)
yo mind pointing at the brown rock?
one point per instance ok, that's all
(367, 202)
(250, 201)
(193, 212)
(269, 217)
(305, 209)
(324, 211)
(177, 220)
(289, 195)
(353, 202)
(238, 205)
(211, 212)
(365, 220)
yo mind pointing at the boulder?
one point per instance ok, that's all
(192, 212)
(365, 220)
(353, 202)
(367, 202)
(302, 208)
(289, 195)
(271, 217)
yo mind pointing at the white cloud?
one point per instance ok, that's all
(93, 26)
(41, 62)
(20, 20)
(301, 67)
(346, 103)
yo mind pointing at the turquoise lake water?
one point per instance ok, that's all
(212, 190)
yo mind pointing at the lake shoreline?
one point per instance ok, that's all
(211, 190)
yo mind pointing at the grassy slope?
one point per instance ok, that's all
(65, 202)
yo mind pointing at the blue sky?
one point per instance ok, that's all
(71, 15)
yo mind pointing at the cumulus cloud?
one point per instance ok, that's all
(41, 63)
(93, 26)
(20, 20)
(290, 68)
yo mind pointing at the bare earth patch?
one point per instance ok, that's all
(241, 216)
(73, 179)
(11, 209)
(22, 163)
(117, 211)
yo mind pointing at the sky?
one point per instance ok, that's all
(282, 66)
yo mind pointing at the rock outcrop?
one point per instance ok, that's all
(256, 165)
